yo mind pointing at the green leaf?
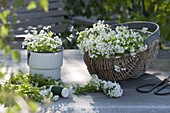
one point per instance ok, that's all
(159, 2)
(33, 106)
(129, 3)
(15, 55)
(164, 31)
(31, 5)
(168, 34)
(3, 31)
(2, 100)
(10, 100)
(1, 44)
(6, 50)
(18, 3)
(1, 74)
(147, 4)
(4, 15)
(153, 18)
(44, 4)
(14, 109)
(155, 8)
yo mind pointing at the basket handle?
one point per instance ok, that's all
(152, 27)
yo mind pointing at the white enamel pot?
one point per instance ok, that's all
(48, 64)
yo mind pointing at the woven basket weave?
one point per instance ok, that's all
(135, 66)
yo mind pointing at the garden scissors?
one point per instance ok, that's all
(160, 87)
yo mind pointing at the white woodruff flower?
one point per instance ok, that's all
(26, 31)
(142, 48)
(46, 27)
(117, 68)
(102, 40)
(44, 93)
(132, 49)
(72, 28)
(55, 98)
(144, 29)
(132, 54)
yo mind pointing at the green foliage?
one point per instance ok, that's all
(85, 89)
(44, 4)
(1, 74)
(13, 109)
(4, 15)
(157, 11)
(90, 8)
(5, 27)
(1, 44)
(22, 90)
(18, 3)
(15, 55)
(27, 85)
(97, 85)
(10, 98)
(31, 5)
(7, 49)
(33, 106)
(4, 31)
(10, 11)
(15, 103)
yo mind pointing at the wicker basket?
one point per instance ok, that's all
(135, 66)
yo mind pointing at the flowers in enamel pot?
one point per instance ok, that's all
(44, 41)
(45, 52)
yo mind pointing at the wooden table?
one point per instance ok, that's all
(74, 71)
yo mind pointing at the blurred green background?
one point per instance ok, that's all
(121, 11)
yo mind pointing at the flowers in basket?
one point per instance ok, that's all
(45, 41)
(103, 41)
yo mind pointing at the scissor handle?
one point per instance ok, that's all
(139, 89)
(167, 80)
(158, 92)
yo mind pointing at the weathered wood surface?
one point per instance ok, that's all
(74, 71)
(38, 18)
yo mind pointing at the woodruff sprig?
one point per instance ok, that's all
(97, 85)
(38, 88)
(35, 87)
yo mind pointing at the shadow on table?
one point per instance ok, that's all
(143, 79)
(60, 106)
(133, 101)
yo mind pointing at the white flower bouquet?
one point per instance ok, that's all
(119, 51)
(43, 42)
